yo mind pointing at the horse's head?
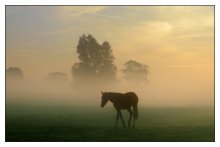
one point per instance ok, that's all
(104, 99)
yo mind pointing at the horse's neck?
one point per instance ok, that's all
(113, 97)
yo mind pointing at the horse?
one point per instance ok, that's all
(122, 101)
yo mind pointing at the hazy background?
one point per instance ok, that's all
(177, 43)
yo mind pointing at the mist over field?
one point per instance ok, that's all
(58, 112)
(149, 94)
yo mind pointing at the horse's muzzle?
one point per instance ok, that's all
(102, 105)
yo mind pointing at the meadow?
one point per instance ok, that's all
(64, 122)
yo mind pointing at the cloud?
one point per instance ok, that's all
(174, 35)
(163, 29)
(70, 19)
(77, 11)
(59, 31)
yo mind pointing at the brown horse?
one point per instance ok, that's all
(122, 101)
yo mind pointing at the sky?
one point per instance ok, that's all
(176, 42)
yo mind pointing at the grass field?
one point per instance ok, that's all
(65, 122)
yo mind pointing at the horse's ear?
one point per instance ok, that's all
(102, 93)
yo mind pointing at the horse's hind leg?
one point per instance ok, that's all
(134, 122)
(130, 112)
(135, 115)
(123, 122)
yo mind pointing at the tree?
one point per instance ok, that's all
(57, 77)
(14, 73)
(135, 72)
(95, 60)
(107, 69)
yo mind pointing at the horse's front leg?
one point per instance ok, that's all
(116, 122)
(123, 122)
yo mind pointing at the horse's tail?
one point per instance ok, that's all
(135, 108)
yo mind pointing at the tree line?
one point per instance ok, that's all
(96, 62)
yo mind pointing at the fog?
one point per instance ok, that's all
(172, 88)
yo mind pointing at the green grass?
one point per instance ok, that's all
(62, 122)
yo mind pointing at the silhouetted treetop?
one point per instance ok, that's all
(57, 77)
(15, 73)
(95, 60)
(135, 71)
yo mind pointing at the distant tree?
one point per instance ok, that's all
(14, 73)
(135, 71)
(57, 77)
(107, 68)
(96, 61)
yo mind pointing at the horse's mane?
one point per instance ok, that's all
(113, 93)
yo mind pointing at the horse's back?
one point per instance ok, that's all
(128, 99)
(131, 95)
